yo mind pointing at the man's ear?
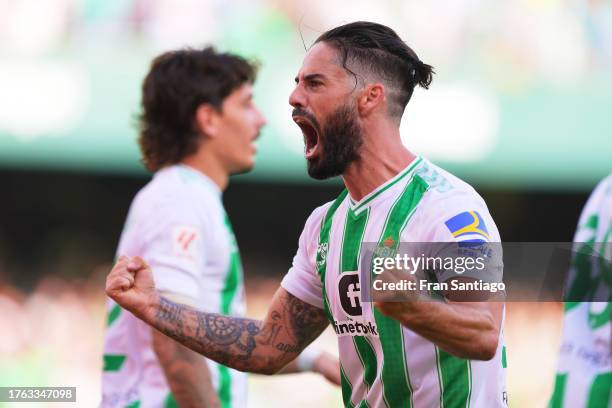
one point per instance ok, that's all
(207, 120)
(371, 98)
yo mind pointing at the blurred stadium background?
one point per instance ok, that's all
(520, 107)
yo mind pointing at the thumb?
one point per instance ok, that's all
(135, 264)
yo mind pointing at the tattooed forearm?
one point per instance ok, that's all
(171, 313)
(245, 344)
(225, 331)
(304, 319)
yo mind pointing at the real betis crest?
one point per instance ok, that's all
(386, 248)
(322, 253)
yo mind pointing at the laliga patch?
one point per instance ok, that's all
(184, 239)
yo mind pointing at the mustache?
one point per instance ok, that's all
(305, 114)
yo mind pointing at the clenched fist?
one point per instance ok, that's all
(130, 284)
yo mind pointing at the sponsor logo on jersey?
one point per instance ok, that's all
(349, 293)
(469, 228)
(184, 239)
(355, 328)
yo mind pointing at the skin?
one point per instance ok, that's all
(228, 136)
(469, 330)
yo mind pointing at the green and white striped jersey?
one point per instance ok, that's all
(584, 375)
(177, 223)
(384, 364)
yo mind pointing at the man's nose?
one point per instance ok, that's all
(297, 98)
(261, 119)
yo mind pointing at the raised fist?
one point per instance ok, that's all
(130, 284)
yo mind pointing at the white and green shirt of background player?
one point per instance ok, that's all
(196, 202)
(584, 381)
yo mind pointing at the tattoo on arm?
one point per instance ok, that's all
(170, 312)
(242, 343)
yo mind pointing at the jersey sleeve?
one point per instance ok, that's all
(173, 246)
(302, 280)
(460, 227)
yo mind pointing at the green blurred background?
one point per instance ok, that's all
(520, 107)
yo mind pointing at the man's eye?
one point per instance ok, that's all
(315, 84)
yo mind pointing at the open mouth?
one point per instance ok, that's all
(311, 136)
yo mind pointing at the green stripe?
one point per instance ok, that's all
(600, 395)
(230, 288)
(376, 194)
(170, 402)
(556, 401)
(135, 404)
(592, 222)
(323, 246)
(321, 262)
(367, 355)
(397, 390)
(113, 315)
(113, 362)
(347, 389)
(234, 273)
(354, 229)
(455, 374)
(582, 285)
(504, 359)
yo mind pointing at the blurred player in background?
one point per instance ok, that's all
(198, 127)
(350, 95)
(584, 377)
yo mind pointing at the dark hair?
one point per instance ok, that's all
(377, 49)
(177, 83)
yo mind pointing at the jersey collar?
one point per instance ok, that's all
(358, 206)
(191, 173)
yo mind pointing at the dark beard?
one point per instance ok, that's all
(340, 140)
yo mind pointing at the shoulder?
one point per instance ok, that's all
(445, 191)
(602, 192)
(599, 204)
(315, 220)
(165, 201)
(451, 203)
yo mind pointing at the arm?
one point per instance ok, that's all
(186, 371)
(320, 362)
(244, 344)
(465, 329)
(465, 323)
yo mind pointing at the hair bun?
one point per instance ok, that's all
(423, 74)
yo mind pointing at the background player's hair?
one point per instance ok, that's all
(177, 83)
(376, 51)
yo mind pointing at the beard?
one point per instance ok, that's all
(341, 140)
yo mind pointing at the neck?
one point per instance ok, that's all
(381, 159)
(210, 166)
